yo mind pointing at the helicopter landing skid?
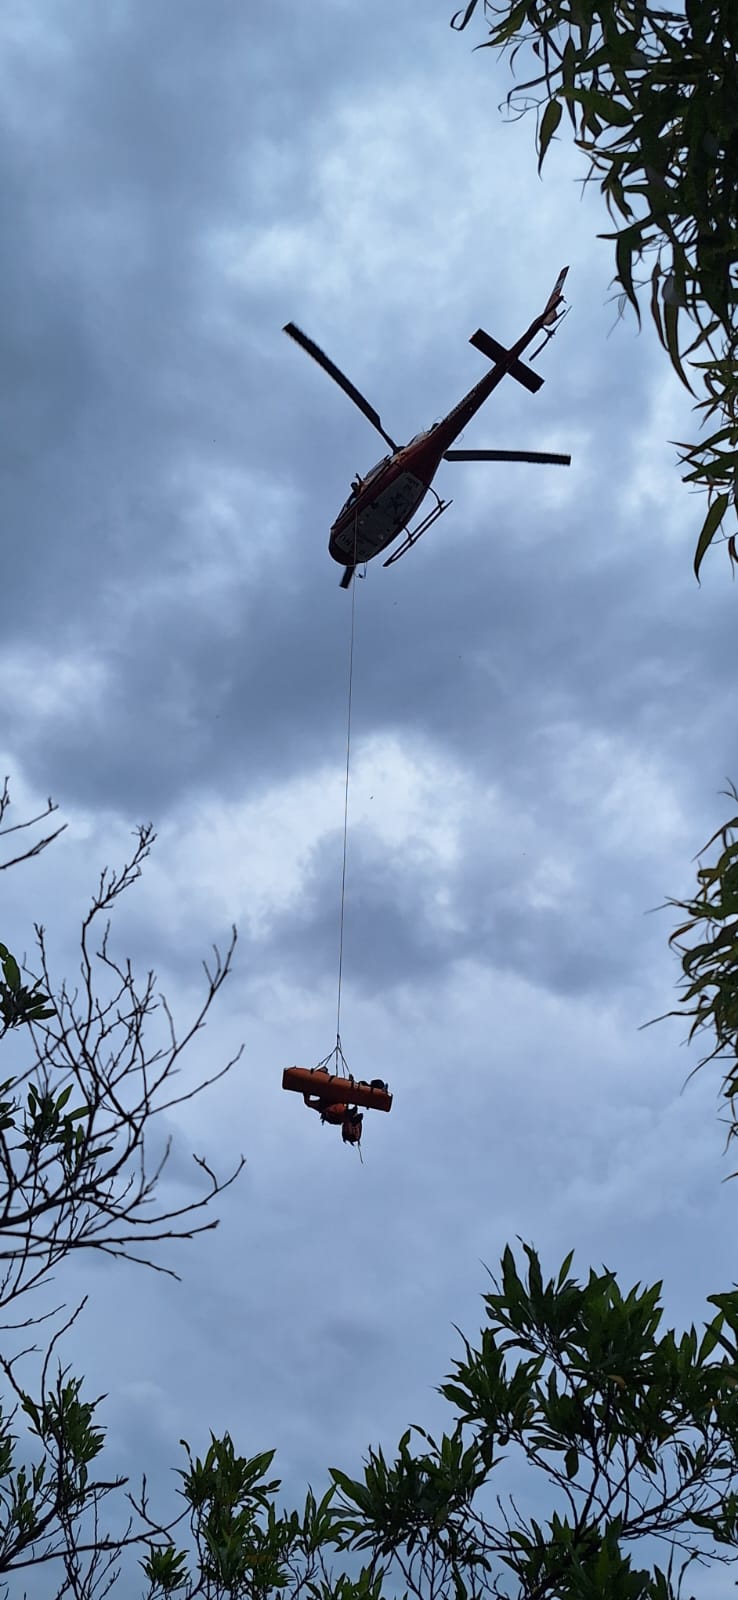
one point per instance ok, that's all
(412, 535)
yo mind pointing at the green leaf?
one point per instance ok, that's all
(11, 973)
(571, 1463)
(611, 113)
(671, 320)
(710, 1339)
(549, 123)
(709, 529)
(563, 1270)
(466, 17)
(624, 245)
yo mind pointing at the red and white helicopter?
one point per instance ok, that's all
(382, 503)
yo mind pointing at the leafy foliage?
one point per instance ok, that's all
(634, 1430)
(652, 97)
(18, 1002)
(240, 1545)
(707, 943)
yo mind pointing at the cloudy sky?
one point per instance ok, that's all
(542, 714)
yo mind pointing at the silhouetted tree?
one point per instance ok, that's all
(78, 1116)
(623, 1437)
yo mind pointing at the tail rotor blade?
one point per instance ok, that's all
(347, 576)
(553, 304)
(542, 457)
(339, 377)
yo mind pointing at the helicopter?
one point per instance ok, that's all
(383, 502)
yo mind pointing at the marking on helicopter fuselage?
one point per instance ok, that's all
(381, 521)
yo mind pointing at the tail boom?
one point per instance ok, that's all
(509, 360)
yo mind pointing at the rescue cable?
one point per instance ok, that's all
(335, 1093)
(339, 1052)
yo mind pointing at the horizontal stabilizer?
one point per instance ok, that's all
(542, 456)
(496, 352)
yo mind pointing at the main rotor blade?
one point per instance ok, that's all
(348, 573)
(340, 378)
(541, 456)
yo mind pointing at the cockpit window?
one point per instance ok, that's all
(366, 478)
(372, 473)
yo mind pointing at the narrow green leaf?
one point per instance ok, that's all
(466, 17)
(710, 1339)
(624, 263)
(564, 1268)
(11, 973)
(671, 321)
(655, 310)
(549, 123)
(610, 112)
(709, 529)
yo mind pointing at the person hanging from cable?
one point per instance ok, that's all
(352, 1125)
(348, 1118)
(329, 1111)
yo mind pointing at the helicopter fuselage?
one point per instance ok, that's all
(375, 514)
(381, 505)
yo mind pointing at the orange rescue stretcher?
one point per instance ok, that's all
(337, 1099)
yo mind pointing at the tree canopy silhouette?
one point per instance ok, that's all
(651, 96)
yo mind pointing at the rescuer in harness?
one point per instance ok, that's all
(352, 1125)
(348, 1118)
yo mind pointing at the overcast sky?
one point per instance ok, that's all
(543, 718)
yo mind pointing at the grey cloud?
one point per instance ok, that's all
(546, 641)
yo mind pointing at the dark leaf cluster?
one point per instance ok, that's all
(240, 1546)
(707, 944)
(652, 98)
(634, 1429)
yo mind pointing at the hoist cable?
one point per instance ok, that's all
(346, 797)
